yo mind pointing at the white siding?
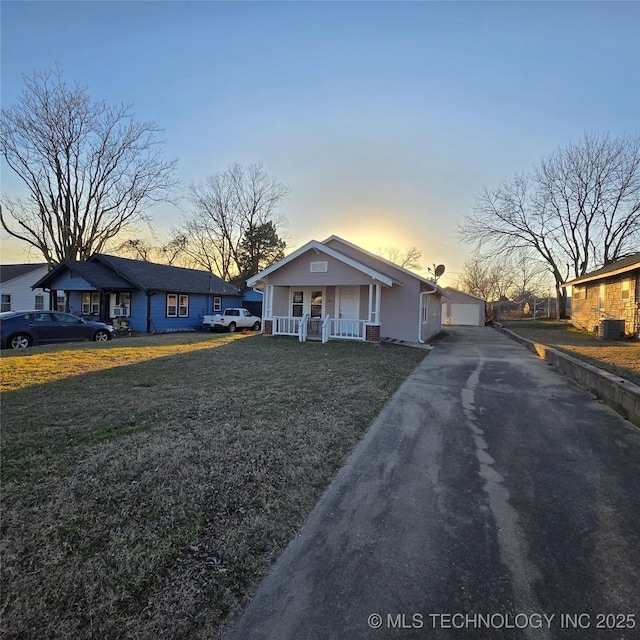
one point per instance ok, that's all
(22, 296)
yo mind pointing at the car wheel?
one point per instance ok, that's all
(232, 327)
(20, 341)
(101, 335)
(256, 326)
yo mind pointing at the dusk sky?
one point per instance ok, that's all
(385, 119)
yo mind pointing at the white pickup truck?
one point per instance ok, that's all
(231, 320)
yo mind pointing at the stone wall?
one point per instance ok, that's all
(588, 312)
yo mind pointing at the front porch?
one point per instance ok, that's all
(349, 312)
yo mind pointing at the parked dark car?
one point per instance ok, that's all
(20, 329)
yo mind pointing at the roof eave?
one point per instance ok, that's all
(321, 248)
(602, 276)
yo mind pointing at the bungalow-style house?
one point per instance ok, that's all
(608, 294)
(16, 291)
(461, 308)
(336, 290)
(144, 296)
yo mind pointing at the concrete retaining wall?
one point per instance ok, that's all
(619, 394)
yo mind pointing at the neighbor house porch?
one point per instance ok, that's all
(323, 313)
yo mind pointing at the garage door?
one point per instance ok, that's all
(465, 314)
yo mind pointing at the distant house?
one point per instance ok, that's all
(461, 308)
(609, 293)
(252, 301)
(16, 290)
(335, 290)
(147, 297)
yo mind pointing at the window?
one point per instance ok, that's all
(602, 296)
(40, 317)
(579, 292)
(60, 302)
(64, 317)
(6, 302)
(217, 304)
(172, 305)
(626, 290)
(177, 305)
(39, 304)
(297, 301)
(316, 304)
(183, 308)
(91, 303)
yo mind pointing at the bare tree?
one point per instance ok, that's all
(486, 277)
(529, 277)
(226, 206)
(578, 210)
(90, 169)
(169, 253)
(405, 258)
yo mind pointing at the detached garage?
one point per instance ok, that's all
(462, 308)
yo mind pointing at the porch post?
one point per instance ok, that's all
(378, 295)
(268, 302)
(371, 307)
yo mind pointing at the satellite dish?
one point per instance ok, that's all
(439, 270)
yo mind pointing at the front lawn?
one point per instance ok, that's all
(149, 483)
(621, 357)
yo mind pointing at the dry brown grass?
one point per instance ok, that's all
(621, 357)
(149, 498)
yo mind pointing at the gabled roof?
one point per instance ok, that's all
(12, 271)
(376, 267)
(112, 273)
(150, 276)
(386, 266)
(96, 274)
(466, 293)
(628, 263)
(321, 248)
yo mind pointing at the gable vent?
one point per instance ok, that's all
(319, 267)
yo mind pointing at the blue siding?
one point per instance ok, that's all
(138, 312)
(75, 302)
(252, 300)
(64, 282)
(199, 305)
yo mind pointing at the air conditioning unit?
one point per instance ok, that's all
(117, 312)
(611, 329)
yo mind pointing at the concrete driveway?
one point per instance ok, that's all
(492, 498)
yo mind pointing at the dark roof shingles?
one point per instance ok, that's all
(11, 271)
(161, 277)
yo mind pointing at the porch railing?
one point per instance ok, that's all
(332, 328)
(286, 326)
(326, 326)
(346, 329)
(303, 328)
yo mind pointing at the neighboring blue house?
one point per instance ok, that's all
(252, 300)
(148, 297)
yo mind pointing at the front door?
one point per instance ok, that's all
(311, 302)
(349, 303)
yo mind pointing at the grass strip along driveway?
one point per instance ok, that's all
(149, 483)
(620, 357)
